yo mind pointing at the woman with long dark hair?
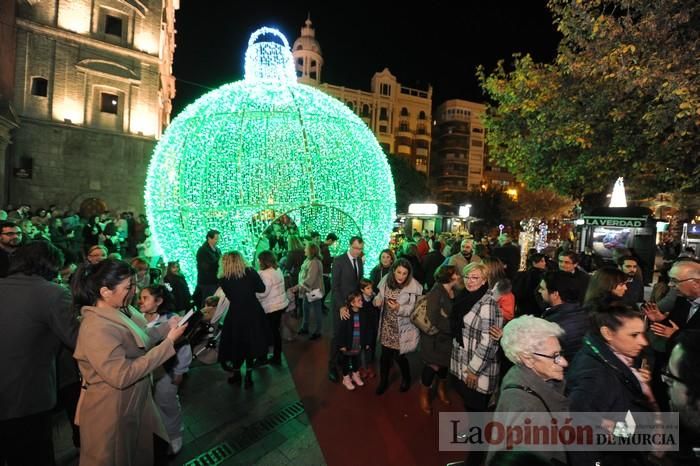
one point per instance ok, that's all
(606, 286)
(386, 259)
(178, 284)
(116, 354)
(398, 336)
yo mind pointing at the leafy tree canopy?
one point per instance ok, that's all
(621, 99)
(410, 185)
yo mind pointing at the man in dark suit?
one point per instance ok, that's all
(345, 278)
(10, 239)
(37, 318)
(208, 256)
(568, 262)
(685, 278)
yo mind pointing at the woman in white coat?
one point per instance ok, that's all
(397, 295)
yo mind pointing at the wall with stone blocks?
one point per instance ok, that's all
(73, 163)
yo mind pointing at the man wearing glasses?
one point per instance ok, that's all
(685, 278)
(10, 239)
(683, 380)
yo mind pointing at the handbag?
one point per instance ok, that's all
(419, 316)
(314, 295)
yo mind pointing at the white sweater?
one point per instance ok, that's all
(274, 298)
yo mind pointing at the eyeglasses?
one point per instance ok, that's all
(11, 233)
(668, 378)
(675, 281)
(473, 277)
(556, 357)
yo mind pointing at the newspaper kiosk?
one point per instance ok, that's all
(609, 228)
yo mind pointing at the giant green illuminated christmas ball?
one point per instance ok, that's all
(256, 150)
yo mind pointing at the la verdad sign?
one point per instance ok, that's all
(615, 222)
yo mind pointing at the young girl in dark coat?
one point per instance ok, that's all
(352, 339)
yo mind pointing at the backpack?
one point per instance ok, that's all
(419, 316)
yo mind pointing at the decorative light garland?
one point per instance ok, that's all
(252, 151)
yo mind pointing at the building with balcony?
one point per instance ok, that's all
(399, 116)
(458, 150)
(92, 90)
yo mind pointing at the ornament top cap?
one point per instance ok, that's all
(268, 57)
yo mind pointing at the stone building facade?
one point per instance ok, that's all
(399, 116)
(93, 87)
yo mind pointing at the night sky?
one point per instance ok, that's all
(440, 44)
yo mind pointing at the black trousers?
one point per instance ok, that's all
(274, 319)
(334, 349)
(68, 397)
(27, 441)
(388, 356)
(429, 374)
(351, 363)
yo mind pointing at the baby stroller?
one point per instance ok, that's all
(206, 335)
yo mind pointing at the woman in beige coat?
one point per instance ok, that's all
(118, 419)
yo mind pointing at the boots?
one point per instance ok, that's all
(442, 391)
(425, 399)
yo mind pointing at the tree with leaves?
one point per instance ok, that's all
(622, 98)
(410, 185)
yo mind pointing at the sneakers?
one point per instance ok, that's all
(348, 383)
(357, 379)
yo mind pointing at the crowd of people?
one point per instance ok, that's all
(105, 336)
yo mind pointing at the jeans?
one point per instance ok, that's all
(316, 310)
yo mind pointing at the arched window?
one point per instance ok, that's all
(365, 110)
(421, 115)
(404, 112)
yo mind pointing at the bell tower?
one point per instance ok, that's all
(308, 59)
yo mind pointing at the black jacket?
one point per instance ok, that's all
(527, 299)
(431, 262)
(345, 331)
(573, 319)
(4, 262)
(37, 318)
(207, 265)
(598, 381)
(343, 279)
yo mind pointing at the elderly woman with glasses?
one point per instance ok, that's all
(536, 381)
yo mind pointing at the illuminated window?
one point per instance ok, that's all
(113, 26)
(109, 103)
(40, 87)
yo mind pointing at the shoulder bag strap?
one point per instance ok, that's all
(530, 391)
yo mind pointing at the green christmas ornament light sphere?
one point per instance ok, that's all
(265, 148)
